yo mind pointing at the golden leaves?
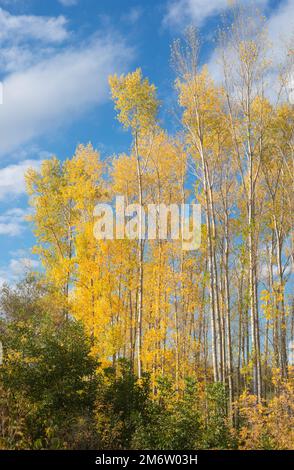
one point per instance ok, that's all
(135, 100)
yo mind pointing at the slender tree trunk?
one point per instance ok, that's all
(228, 314)
(140, 263)
(281, 303)
(252, 280)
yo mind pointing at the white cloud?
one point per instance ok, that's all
(68, 3)
(26, 39)
(16, 269)
(12, 222)
(281, 36)
(46, 86)
(16, 28)
(180, 12)
(47, 83)
(19, 265)
(280, 28)
(57, 90)
(183, 12)
(18, 57)
(12, 182)
(133, 15)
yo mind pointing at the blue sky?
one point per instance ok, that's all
(55, 57)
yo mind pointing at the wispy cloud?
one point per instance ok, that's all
(16, 268)
(46, 86)
(281, 28)
(12, 222)
(68, 3)
(133, 15)
(12, 182)
(280, 31)
(179, 13)
(27, 39)
(16, 28)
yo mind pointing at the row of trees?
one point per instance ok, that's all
(220, 315)
(55, 395)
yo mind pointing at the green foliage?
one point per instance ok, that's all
(52, 395)
(128, 417)
(216, 431)
(48, 370)
(123, 404)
